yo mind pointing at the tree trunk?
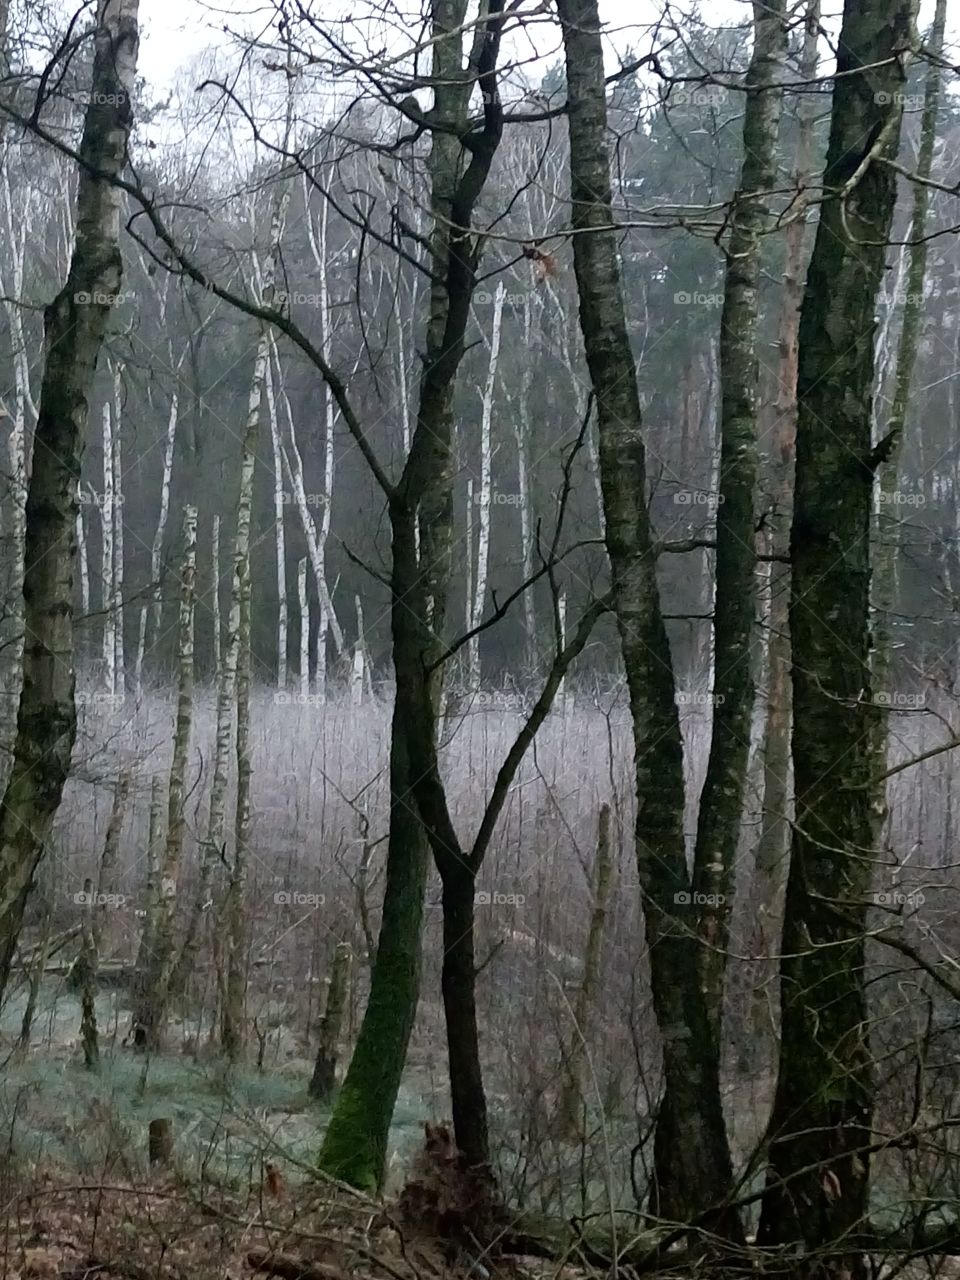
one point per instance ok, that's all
(484, 496)
(572, 1098)
(817, 1187)
(421, 511)
(157, 953)
(107, 530)
(152, 611)
(74, 326)
(886, 541)
(722, 797)
(693, 1168)
(232, 1031)
(772, 856)
(279, 533)
(324, 1080)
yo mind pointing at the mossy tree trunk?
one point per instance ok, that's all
(693, 1168)
(817, 1188)
(74, 327)
(421, 518)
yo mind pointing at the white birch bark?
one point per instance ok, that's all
(213, 847)
(304, 605)
(116, 461)
(315, 537)
(105, 505)
(362, 645)
(215, 592)
(278, 514)
(485, 498)
(83, 562)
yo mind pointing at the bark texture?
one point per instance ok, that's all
(721, 801)
(74, 327)
(693, 1170)
(818, 1177)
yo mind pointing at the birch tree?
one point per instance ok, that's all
(484, 495)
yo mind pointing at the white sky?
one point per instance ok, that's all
(173, 32)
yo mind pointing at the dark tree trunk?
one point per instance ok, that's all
(355, 1144)
(693, 1168)
(460, 1011)
(74, 327)
(324, 1080)
(817, 1189)
(721, 801)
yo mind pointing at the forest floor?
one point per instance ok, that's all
(56, 1228)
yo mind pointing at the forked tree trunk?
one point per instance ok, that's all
(74, 325)
(420, 507)
(817, 1187)
(722, 797)
(693, 1172)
